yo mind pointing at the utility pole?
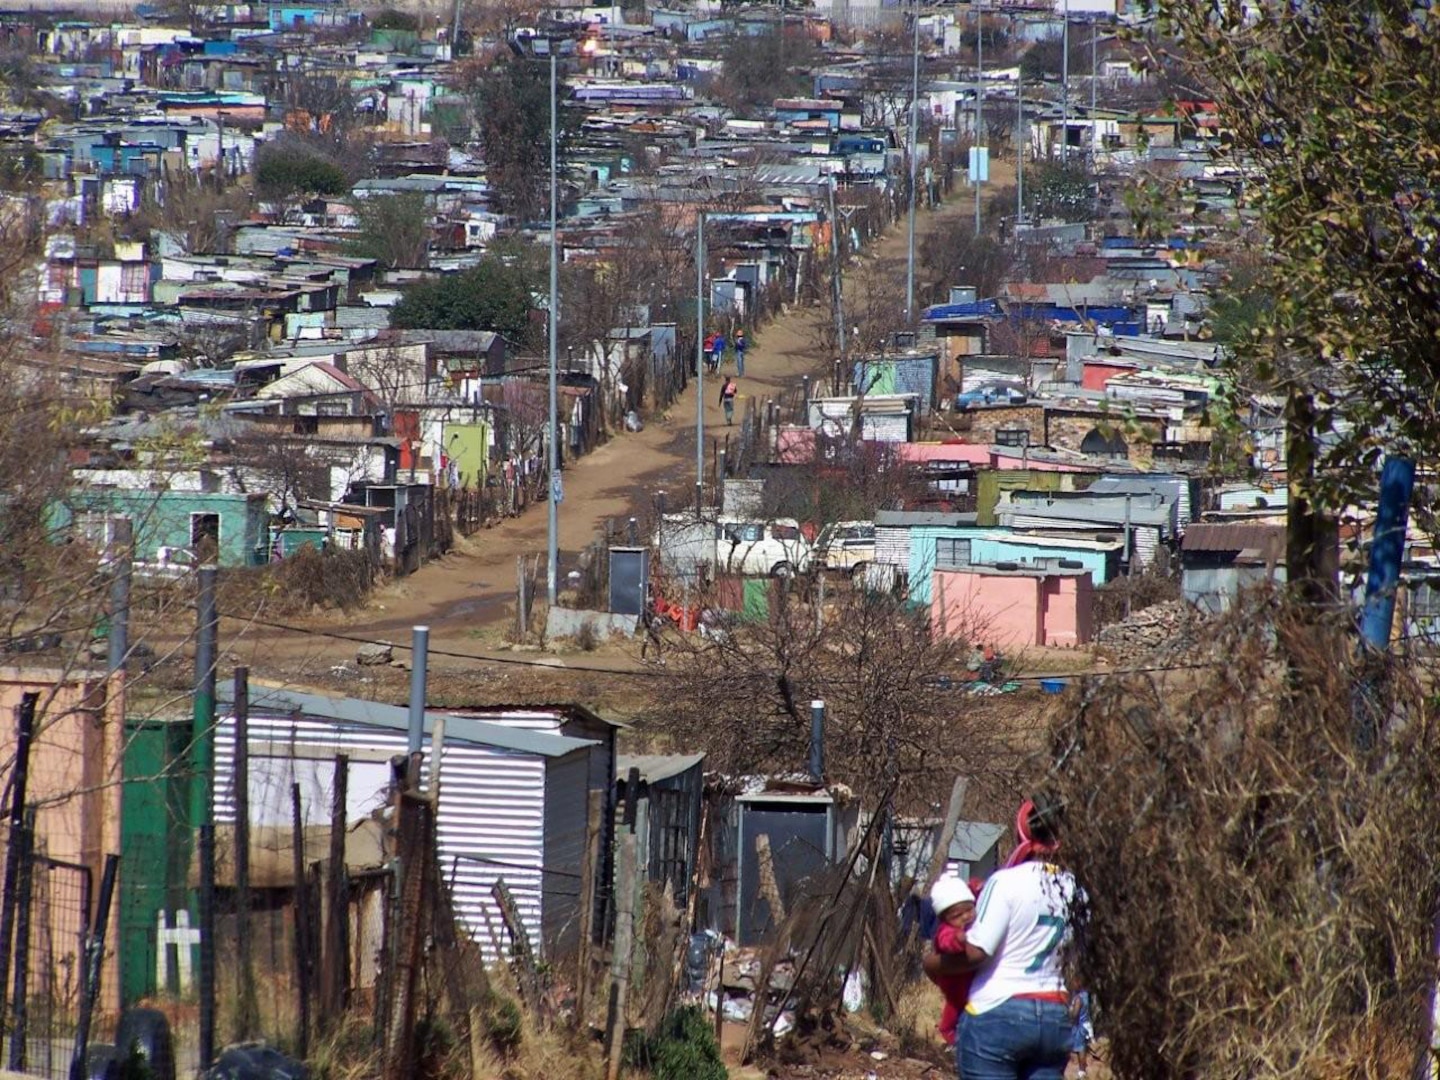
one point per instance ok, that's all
(1019, 152)
(552, 573)
(979, 105)
(699, 361)
(1093, 27)
(837, 288)
(1065, 82)
(914, 124)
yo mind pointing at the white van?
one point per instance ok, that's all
(761, 548)
(847, 546)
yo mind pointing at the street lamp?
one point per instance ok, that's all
(557, 491)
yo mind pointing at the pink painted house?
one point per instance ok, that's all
(1012, 608)
(74, 782)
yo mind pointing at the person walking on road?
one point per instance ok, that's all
(727, 399)
(717, 354)
(709, 351)
(1017, 1023)
(740, 353)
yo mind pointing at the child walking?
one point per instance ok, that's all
(954, 903)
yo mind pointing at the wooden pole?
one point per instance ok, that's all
(947, 832)
(620, 961)
(247, 1013)
(588, 872)
(302, 923)
(522, 615)
(335, 965)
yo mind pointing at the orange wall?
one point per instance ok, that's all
(74, 782)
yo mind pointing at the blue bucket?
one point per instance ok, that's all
(1052, 686)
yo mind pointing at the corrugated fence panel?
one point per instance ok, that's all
(892, 546)
(491, 821)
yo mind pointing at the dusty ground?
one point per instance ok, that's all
(467, 598)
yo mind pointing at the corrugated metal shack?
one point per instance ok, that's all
(667, 817)
(768, 838)
(513, 804)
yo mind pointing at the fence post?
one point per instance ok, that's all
(247, 1012)
(24, 734)
(25, 896)
(335, 964)
(620, 965)
(522, 617)
(94, 968)
(624, 944)
(595, 811)
(302, 920)
(207, 945)
(416, 839)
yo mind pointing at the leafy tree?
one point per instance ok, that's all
(759, 69)
(20, 170)
(394, 229)
(497, 294)
(282, 172)
(512, 104)
(1150, 205)
(1243, 303)
(391, 19)
(1060, 191)
(1330, 111)
(1046, 57)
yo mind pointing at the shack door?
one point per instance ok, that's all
(797, 841)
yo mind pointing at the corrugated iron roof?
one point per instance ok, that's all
(1235, 536)
(655, 768)
(376, 714)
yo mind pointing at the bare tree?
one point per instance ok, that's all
(742, 695)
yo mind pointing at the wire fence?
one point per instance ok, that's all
(50, 906)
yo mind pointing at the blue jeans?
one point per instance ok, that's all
(740, 362)
(1020, 1039)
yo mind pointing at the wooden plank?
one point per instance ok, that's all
(947, 832)
(526, 970)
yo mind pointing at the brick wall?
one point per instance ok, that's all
(985, 421)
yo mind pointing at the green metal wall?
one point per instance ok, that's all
(155, 844)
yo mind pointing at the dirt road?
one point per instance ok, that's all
(467, 598)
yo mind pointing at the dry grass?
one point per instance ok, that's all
(1261, 884)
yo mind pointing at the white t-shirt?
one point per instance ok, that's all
(1022, 921)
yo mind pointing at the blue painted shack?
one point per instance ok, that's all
(949, 547)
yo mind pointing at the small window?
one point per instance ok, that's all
(784, 532)
(1012, 437)
(952, 552)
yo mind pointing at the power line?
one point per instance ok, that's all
(515, 661)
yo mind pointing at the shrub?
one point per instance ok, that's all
(282, 172)
(390, 19)
(684, 1048)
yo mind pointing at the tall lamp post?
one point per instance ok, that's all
(525, 49)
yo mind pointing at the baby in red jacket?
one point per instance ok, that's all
(954, 903)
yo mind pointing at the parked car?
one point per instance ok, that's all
(847, 546)
(775, 548)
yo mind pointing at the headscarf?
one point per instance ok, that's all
(1028, 847)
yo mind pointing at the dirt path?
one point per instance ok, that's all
(467, 597)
